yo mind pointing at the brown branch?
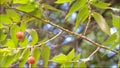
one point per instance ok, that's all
(89, 18)
(70, 32)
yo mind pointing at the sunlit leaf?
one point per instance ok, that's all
(37, 13)
(116, 21)
(34, 36)
(76, 58)
(3, 1)
(8, 60)
(101, 22)
(13, 15)
(82, 65)
(45, 52)
(82, 16)
(27, 8)
(14, 29)
(10, 44)
(70, 56)
(100, 4)
(59, 58)
(24, 42)
(77, 5)
(50, 7)
(20, 1)
(36, 54)
(111, 39)
(1, 25)
(23, 26)
(62, 1)
(24, 57)
(4, 18)
(3, 35)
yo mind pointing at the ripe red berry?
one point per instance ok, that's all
(31, 60)
(20, 35)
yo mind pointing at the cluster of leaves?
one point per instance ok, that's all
(11, 21)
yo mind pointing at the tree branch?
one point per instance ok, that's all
(65, 30)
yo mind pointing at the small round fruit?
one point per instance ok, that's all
(31, 60)
(20, 35)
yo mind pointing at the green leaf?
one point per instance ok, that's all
(100, 4)
(116, 21)
(10, 44)
(82, 65)
(36, 54)
(62, 1)
(3, 1)
(14, 29)
(45, 52)
(3, 35)
(27, 7)
(114, 45)
(82, 16)
(23, 26)
(9, 60)
(24, 42)
(101, 22)
(24, 57)
(62, 66)
(76, 58)
(34, 36)
(59, 58)
(70, 56)
(111, 39)
(77, 5)
(67, 64)
(1, 25)
(20, 1)
(13, 15)
(51, 8)
(4, 18)
(37, 13)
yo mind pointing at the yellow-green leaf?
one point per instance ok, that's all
(101, 22)
(14, 29)
(116, 21)
(62, 1)
(9, 43)
(34, 36)
(4, 18)
(77, 5)
(82, 65)
(24, 42)
(13, 15)
(27, 7)
(50, 7)
(100, 4)
(45, 52)
(36, 54)
(70, 56)
(59, 58)
(82, 16)
(24, 57)
(20, 1)
(3, 1)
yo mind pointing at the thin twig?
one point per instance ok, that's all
(50, 39)
(70, 32)
(89, 18)
(94, 52)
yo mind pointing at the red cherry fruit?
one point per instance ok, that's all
(20, 35)
(31, 60)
